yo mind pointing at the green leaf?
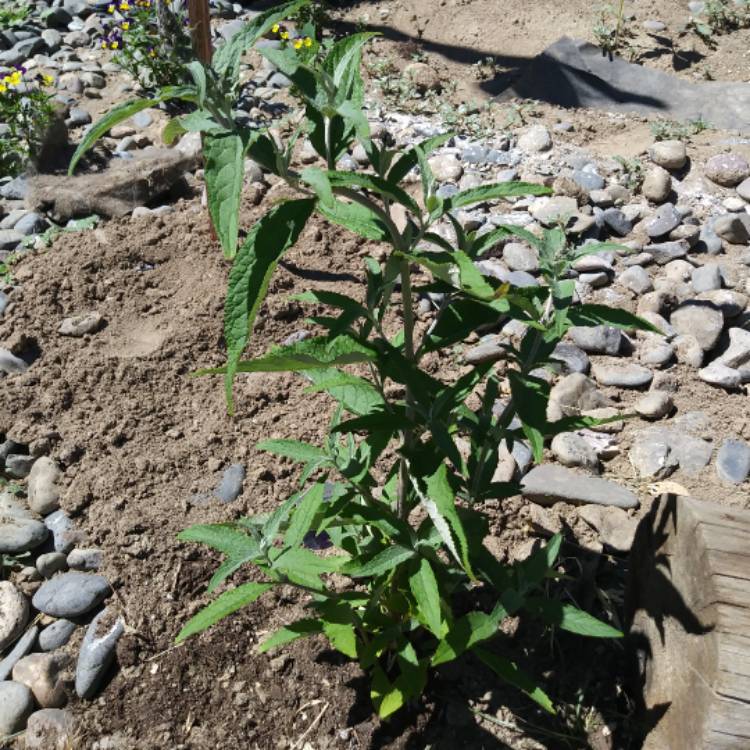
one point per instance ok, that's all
(424, 587)
(492, 192)
(594, 315)
(508, 671)
(271, 236)
(304, 515)
(570, 618)
(343, 65)
(471, 279)
(459, 320)
(289, 633)
(194, 122)
(375, 184)
(342, 637)
(463, 634)
(355, 394)
(225, 538)
(384, 561)
(293, 449)
(355, 217)
(225, 171)
(410, 160)
(198, 74)
(223, 606)
(226, 59)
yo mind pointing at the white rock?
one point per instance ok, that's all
(44, 494)
(14, 613)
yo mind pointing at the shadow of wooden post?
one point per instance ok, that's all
(689, 611)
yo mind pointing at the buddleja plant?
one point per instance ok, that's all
(213, 94)
(397, 489)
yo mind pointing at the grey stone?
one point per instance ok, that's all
(548, 484)
(657, 185)
(56, 634)
(730, 302)
(521, 257)
(691, 453)
(571, 357)
(688, 350)
(666, 218)
(446, 168)
(733, 461)
(23, 645)
(665, 252)
(43, 492)
(571, 449)
(651, 454)
(718, 374)
(16, 705)
(700, 319)
(71, 594)
(41, 673)
(597, 339)
(668, 154)
(706, 278)
(53, 39)
(64, 533)
(16, 189)
(737, 354)
(4, 302)
(743, 190)
(654, 405)
(97, 653)
(727, 170)
(18, 465)
(230, 487)
(617, 221)
(637, 279)
(535, 140)
(588, 179)
(19, 531)
(50, 563)
(572, 395)
(622, 376)
(80, 325)
(484, 353)
(49, 729)
(142, 119)
(85, 559)
(78, 117)
(31, 223)
(14, 613)
(732, 229)
(10, 364)
(550, 211)
(709, 241)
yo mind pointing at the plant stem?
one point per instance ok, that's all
(406, 295)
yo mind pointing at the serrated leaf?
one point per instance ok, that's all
(508, 671)
(343, 65)
(225, 538)
(384, 561)
(424, 587)
(225, 172)
(355, 217)
(342, 637)
(464, 633)
(375, 184)
(256, 260)
(225, 605)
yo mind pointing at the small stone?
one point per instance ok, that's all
(655, 352)
(43, 492)
(617, 222)
(484, 353)
(571, 357)
(730, 303)
(80, 325)
(14, 614)
(737, 353)
(424, 77)
(521, 257)
(446, 168)
(733, 461)
(23, 645)
(230, 487)
(688, 350)
(743, 190)
(637, 279)
(571, 449)
(56, 634)
(727, 170)
(572, 395)
(18, 465)
(721, 375)
(651, 454)
(97, 653)
(41, 674)
(666, 218)
(548, 484)
(654, 405)
(64, 533)
(535, 140)
(550, 211)
(615, 527)
(31, 223)
(699, 319)
(665, 252)
(733, 204)
(49, 729)
(71, 594)
(597, 339)
(51, 563)
(622, 376)
(668, 154)
(19, 531)
(709, 241)
(706, 278)
(16, 705)
(85, 559)
(732, 229)
(10, 364)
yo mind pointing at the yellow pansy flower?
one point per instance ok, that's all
(125, 5)
(275, 28)
(3, 88)
(114, 45)
(284, 35)
(47, 80)
(297, 44)
(125, 26)
(111, 9)
(308, 41)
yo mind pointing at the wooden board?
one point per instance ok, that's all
(689, 632)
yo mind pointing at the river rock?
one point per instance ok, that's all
(727, 170)
(56, 634)
(666, 218)
(535, 140)
(571, 449)
(230, 487)
(10, 364)
(80, 325)
(718, 374)
(700, 319)
(615, 527)
(657, 185)
(19, 530)
(732, 229)
(23, 645)
(733, 461)
(64, 532)
(71, 594)
(637, 279)
(572, 395)
(41, 674)
(597, 339)
(446, 168)
(50, 563)
(16, 704)
(622, 376)
(654, 405)
(706, 278)
(571, 358)
(651, 454)
(49, 729)
(85, 559)
(548, 484)
(668, 154)
(14, 614)
(737, 354)
(43, 492)
(97, 652)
